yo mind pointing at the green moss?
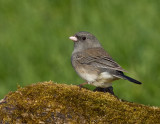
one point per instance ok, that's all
(49, 102)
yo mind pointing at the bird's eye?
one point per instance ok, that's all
(83, 38)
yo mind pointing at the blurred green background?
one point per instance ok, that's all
(34, 44)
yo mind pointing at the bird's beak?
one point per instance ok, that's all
(73, 38)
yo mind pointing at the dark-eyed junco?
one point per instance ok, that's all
(93, 63)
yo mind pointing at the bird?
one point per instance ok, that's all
(93, 64)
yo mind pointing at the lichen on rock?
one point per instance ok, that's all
(49, 102)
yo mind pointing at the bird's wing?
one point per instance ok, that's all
(98, 57)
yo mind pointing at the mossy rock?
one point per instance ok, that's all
(49, 102)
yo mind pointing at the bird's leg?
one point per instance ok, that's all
(81, 85)
(110, 90)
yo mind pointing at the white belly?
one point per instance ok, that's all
(102, 84)
(106, 77)
(103, 80)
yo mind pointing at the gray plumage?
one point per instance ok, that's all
(93, 63)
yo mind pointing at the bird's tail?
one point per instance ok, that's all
(121, 75)
(131, 79)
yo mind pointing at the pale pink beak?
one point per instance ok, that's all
(73, 38)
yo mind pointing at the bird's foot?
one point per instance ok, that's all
(108, 89)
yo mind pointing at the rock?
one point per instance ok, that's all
(49, 102)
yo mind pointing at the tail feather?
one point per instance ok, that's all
(121, 75)
(131, 79)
